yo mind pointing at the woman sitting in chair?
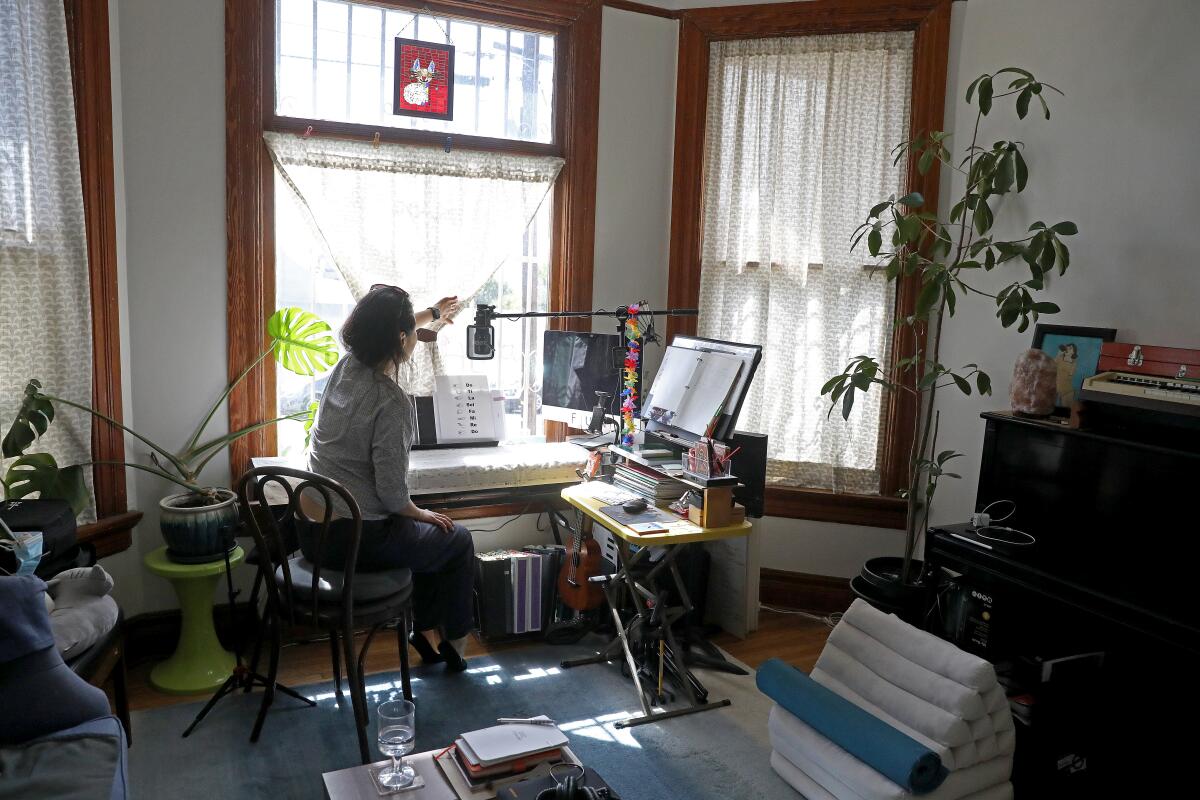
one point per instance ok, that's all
(363, 433)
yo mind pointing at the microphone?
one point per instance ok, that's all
(481, 337)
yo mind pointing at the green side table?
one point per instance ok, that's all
(199, 663)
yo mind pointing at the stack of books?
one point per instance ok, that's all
(486, 758)
(655, 487)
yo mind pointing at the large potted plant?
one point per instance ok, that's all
(945, 257)
(193, 521)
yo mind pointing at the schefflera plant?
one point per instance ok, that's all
(946, 257)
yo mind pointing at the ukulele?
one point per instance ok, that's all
(582, 562)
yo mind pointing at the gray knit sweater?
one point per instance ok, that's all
(362, 436)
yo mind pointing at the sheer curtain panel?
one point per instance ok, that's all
(798, 149)
(431, 222)
(45, 299)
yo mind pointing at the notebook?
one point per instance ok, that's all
(501, 743)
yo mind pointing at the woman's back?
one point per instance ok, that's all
(362, 436)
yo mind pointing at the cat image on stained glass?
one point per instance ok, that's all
(417, 92)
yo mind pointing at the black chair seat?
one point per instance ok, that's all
(369, 587)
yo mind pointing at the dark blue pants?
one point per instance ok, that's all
(442, 562)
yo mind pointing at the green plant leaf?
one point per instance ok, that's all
(304, 342)
(847, 403)
(1022, 170)
(1017, 71)
(33, 418)
(1064, 256)
(962, 384)
(985, 95)
(1046, 308)
(831, 383)
(929, 295)
(38, 473)
(983, 217)
(971, 88)
(983, 382)
(1065, 228)
(1005, 174)
(1023, 101)
(925, 162)
(874, 242)
(1045, 108)
(912, 200)
(878, 208)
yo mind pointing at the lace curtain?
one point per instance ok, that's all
(799, 138)
(45, 300)
(431, 222)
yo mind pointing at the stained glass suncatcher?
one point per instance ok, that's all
(424, 79)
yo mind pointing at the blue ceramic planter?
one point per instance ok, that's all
(198, 533)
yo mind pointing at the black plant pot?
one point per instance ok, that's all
(878, 582)
(195, 530)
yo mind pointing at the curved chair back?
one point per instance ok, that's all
(272, 539)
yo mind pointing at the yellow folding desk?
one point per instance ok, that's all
(649, 598)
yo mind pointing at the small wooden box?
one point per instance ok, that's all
(718, 510)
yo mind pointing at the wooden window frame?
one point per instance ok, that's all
(91, 82)
(250, 111)
(930, 22)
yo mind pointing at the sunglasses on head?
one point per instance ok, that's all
(389, 287)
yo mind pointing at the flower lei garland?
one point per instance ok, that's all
(633, 355)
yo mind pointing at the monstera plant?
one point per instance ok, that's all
(947, 257)
(192, 520)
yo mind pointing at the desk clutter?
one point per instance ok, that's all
(517, 760)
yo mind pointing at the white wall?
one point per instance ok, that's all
(1117, 157)
(634, 165)
(172, 110)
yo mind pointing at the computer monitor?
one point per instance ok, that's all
(574, 367)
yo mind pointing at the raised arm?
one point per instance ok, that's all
(444, 307)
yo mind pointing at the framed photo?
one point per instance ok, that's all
(423, 79)
(1076, 352)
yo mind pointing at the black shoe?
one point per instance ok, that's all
(424, 648)
(454, 662)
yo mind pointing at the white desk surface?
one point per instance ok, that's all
(466, 469)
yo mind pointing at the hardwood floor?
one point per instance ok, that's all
(793, 638)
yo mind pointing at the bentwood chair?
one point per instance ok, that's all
(301, 593)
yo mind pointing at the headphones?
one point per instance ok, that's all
(572, 787)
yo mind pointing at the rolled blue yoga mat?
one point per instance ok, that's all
(902, 759)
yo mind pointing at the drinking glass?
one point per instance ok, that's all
(397, 738)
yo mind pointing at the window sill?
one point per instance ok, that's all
(850, 509)
(111, 534)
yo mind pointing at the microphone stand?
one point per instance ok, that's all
(485, 314)
(242, 676)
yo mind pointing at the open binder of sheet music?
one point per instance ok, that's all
(463, 409)
(691, 388)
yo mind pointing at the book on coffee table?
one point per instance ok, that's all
(487, 789)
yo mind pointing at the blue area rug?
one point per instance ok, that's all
(714, 754)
